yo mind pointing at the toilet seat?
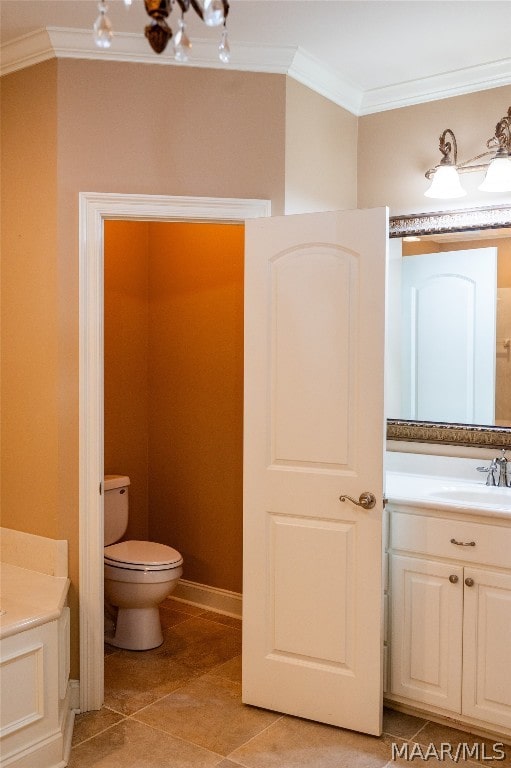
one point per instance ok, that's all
(142, 556)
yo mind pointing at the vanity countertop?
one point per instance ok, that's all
(448, 493)
(29, 598)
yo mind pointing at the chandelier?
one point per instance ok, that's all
(496, 161)
(212, 12)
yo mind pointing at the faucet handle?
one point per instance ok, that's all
(502, 464)
(490, 479)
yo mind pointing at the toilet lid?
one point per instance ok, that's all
(140, 555)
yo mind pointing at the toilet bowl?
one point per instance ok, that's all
(138, 575)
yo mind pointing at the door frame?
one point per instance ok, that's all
(94, 209)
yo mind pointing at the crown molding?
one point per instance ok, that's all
(132, 47)
(59, 42)
(444, 86)
(310, 71)
(25, 51)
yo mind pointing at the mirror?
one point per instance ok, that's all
(433, 258)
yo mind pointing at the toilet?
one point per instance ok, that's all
(138, 574)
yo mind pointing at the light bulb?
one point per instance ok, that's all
(498, 176)
(213, 13)
(103, 33)
(445, 183)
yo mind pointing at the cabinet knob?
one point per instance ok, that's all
(453, 578)
(469, 582)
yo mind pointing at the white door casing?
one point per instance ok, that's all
(314, 429)
(94, 209)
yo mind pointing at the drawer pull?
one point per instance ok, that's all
(463, 543)
(469, 582)
(453, 578)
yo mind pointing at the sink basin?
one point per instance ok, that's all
(486, 495)
(434, 491)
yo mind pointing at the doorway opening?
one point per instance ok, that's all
(95, 209)
(173, 393)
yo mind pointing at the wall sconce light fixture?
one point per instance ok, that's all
(496, 161)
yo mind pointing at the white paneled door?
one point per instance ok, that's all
(448, 336)
(314, 431)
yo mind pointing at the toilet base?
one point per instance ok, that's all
(137, 629)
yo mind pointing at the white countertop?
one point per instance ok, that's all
(454, 494)
(29, 598)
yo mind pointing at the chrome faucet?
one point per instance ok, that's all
(498, 471)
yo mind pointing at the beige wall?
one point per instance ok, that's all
(126, 350)
(30, 304)
(321, 153)
(196, 396)
(397, 147)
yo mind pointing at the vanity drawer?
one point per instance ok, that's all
(432, 536)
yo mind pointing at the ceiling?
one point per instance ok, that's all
(367, 55)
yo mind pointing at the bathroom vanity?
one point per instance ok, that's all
(448, 596)
(37, 712)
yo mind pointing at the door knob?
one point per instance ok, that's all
(469, 582)
(366, 500)
(453, 578)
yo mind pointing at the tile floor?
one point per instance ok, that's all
(179, 706)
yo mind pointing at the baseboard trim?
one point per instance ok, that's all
(209, 598)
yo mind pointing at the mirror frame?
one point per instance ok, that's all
(467, 219)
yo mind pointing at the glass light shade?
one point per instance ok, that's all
(213, 13)
(498, 176)
(445, 183)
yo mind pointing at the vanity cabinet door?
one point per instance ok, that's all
(487, 646)
(427, 624)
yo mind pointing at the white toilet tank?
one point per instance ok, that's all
(116, 507)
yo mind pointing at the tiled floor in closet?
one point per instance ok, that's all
(179, 706)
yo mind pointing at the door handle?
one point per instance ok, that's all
(366, 500)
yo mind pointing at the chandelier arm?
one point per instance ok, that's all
(196, 7)
(184, 5)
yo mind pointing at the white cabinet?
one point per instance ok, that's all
(426, 640)
(450, 616)
(487, 646)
